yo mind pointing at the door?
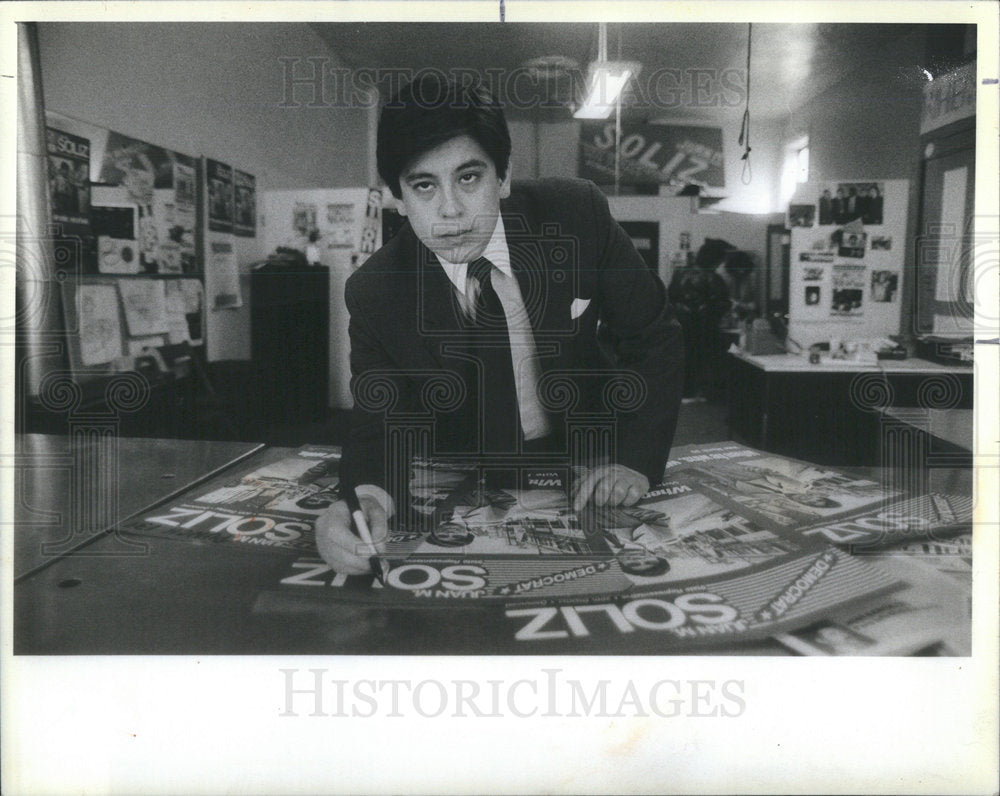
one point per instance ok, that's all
(946, 236)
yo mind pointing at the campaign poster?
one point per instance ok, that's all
(69, 181)
(245, 197)
(652, 153)
(219, 179)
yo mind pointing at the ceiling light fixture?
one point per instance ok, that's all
(606, 81)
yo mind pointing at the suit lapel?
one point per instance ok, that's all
(436, 310)
(546, 288)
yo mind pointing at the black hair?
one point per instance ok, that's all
(739, 263)
(432, 110)
(712, 252)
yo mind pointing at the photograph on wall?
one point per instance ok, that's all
(852, 244)
(812, 274)
(245, 197)
(848, 290)
(69, 181)
(801, 215)
(884, 286)
(812, 295)
(881, 243)
(858, 201)
(219, 179)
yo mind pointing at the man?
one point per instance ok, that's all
(479, 320)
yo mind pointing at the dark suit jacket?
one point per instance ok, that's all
(409, 368)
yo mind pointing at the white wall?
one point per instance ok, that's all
(212, 89)
(867, 126)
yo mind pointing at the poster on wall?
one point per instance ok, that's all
(847, 264)
(652, 153)
(369, 241)
(340, 225)
(219, 179)
(69, 181)
(222, 280)
(160, 183)
(245, 199)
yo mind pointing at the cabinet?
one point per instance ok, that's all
(289, 319)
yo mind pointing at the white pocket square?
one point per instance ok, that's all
(578, 307)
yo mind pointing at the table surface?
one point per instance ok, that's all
(176, 597)
(64, 502)
(793, 363)
(955, 426)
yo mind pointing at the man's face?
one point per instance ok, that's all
(451, 194)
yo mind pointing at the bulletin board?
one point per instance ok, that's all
(846, 259)
(110, 321)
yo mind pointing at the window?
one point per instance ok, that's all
(795, 169)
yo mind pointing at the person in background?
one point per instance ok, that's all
(839, 207)
(701, 300)
(874, 205)
(739, 272)
(825, 208)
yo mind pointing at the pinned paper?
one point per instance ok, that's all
(145, 306)
(177, 328)
(100, 328)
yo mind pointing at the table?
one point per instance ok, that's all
(831, 412)
(71, 490)
(179, 597)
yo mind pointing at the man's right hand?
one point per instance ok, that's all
(337, 543)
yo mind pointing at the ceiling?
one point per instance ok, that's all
(790, 62)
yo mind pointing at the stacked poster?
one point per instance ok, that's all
(734, 545)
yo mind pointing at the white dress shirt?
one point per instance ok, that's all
(522, 341)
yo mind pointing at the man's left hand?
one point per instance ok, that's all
(609, 485)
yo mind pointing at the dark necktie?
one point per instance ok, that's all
(499, 415)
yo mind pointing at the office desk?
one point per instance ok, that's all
(188, 596)
(70, 490)
(832, 412)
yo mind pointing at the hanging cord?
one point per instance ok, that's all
(747, 176)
